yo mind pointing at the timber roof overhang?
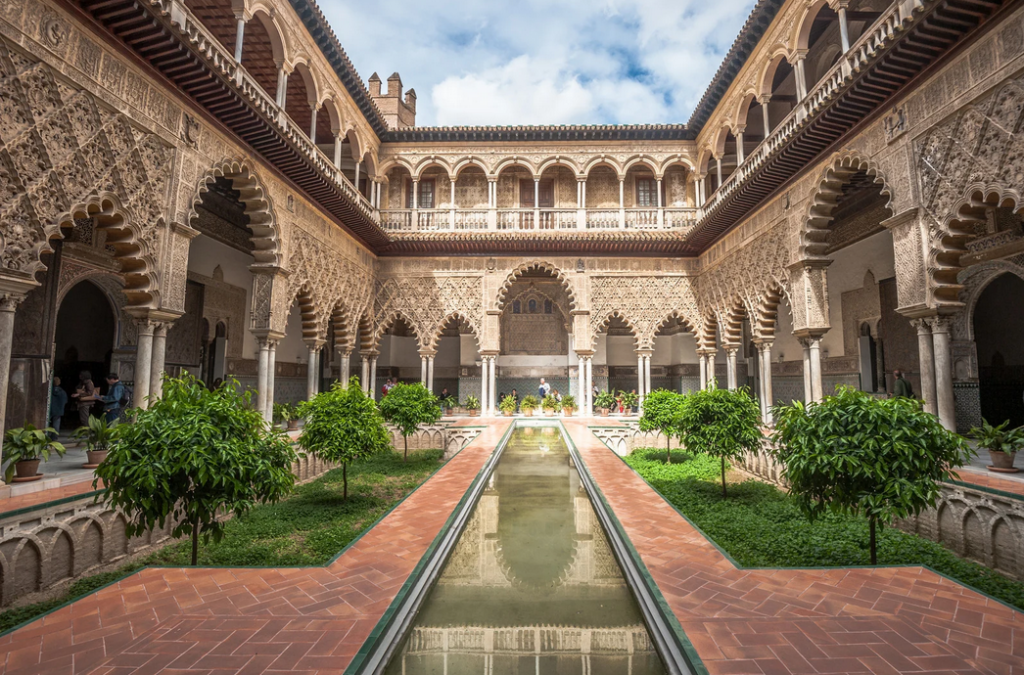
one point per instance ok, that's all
(742, 47)
(542, 133)
(655, 243)
(178, 48)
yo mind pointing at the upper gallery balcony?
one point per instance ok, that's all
(558, 198)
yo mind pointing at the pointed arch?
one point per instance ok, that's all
(553, 270)
(461, 317)
(825, 197)
(266, 234)
(389, 320)
(602, 326)
(674, 316)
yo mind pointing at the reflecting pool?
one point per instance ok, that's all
(532, 586)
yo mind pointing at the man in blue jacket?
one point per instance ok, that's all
(112, 401)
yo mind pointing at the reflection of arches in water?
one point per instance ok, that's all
(84, 338)
(479, 559)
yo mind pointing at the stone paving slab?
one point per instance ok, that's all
(795, 621)
(224, 621)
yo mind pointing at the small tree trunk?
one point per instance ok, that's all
(405, 439)
(872, 542)
(668, 448)
(195, 542)
(725, 493)
(344, 480)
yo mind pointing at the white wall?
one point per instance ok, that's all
(292, 349)
(399, 352)
(847, 272)
(469, 352)
(204, 255)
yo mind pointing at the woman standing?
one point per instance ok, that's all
(85, 396)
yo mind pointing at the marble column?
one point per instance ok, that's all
(581, 394)
(640, 377)
(815, 356)
(927, 364)
(423, 369)
(730, 367)
(157, 361)
(8, 304)
(430, 373)
(143, 363)
(311, 370)
(711, 371)
(764, 100)
(271, 377)
(484, 379)
(944, 401)
(844, 28)
(239, 37)
(647, 373)
(739, 148)
(808, 387)
(364, 374)
(703, 361)
(373, 378)
(766, 364)
(494, 385)
(589, 365)
(262, 374)
(346, 365)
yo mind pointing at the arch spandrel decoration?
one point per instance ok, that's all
(645, 300)
(517, 273)
(428, 301)
(66, 156)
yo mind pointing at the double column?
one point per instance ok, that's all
(764, 363)
(936, 363)
(643, 372)
(266, 366)
(427, 368)
(150, 355)
(813, 389)
(586, 377)
(368, 377)
(313, 370)
(488, 384)
(707, 367)
(730, 366)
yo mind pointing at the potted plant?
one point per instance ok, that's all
(1002, 444)
(550, 404)
(508, 405)
(529, 404)
(568, 405)
(24, 448)
(448, 402)
(290, 415)
(629, 400)
(472, 404)
(604, 402)
(98, 435)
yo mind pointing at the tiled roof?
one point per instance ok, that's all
(547, 132)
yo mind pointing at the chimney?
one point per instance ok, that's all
(394, 86)
(374, 83)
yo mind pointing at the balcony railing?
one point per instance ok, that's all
(527, 219)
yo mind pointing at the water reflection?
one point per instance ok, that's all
(532, 585)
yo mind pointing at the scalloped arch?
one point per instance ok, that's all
(603, 324)
(435, 335)
(266, 237)
(550, 268)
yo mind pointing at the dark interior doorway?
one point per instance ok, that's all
(999, 335)
(84, 341)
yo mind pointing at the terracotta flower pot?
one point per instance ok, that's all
(27, 468)
(1002, 461)
(474, 413)
(506, 413)
(95, 457)
(528, 412)
(604, 412)
(293, 425)
(567, 411)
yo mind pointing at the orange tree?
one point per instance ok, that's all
(408, 406)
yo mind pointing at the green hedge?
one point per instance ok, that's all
(761, 526)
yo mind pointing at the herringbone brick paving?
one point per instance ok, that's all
(781, 622)
(244, 621)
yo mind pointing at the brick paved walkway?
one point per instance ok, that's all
(246, 621)
(777, 622)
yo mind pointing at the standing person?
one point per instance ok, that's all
(85, 396)
(515, 397)
(901, 387)
(115, 398)
(387, 387)
(58, 402)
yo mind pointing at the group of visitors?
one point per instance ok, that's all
(86, 396)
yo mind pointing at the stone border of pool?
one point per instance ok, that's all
(387, 635)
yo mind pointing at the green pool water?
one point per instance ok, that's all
(532, 586)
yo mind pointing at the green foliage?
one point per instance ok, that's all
(551, 404)
(343, 425)
(661, 413)
(409, 406)
(472, 403)
(722, 423)
(568, 402)
(27, 443)
(286, 412)
(98, 434)
(629, 399)
(193, 454)
(309, 527)
(999, 438)
(605, 400)
(786, 538)
(853, 453)
(508, 404)
(529, 402)
(448, 402)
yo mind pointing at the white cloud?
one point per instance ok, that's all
(537, 62)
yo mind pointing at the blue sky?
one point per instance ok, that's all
(540, 62)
